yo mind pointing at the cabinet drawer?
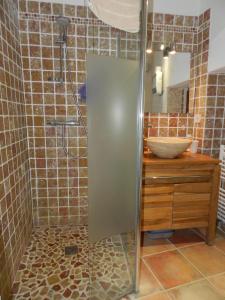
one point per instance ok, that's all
(201, 187)
(157, 200)
(170, 176)
(176, 179)
(157, 189)
(173, 172)
(156, 218)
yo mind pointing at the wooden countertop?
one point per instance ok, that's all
(184, 159)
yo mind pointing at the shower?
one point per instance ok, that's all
(63, 23)
(64, 66)
(47, 168)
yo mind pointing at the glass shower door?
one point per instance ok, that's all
(112, 98)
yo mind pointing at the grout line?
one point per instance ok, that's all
(210, 283)
(223, 252)
(191, 245)
(215, 288)
(156, 278)
(188, 260)
(215, 275)
(156, 253)
(175, 248)
(204, 276)
(185, 284)
(154, 294)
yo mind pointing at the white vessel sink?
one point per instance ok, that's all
(168, 147)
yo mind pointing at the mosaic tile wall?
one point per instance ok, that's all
(214, 129)
(167, 28)
(162, 124)
(208, 94)
(199, 74)
(15, 189)
(59, 184)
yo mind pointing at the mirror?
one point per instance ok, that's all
(167, 81)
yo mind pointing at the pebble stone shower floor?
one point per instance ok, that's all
(46, 273)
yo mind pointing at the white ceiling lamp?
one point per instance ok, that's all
(123, 15)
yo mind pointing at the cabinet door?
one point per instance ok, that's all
(154, 218)
(157, 209)
(191, 205)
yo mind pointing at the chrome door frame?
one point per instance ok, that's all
(140, 116)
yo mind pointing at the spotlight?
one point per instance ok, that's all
(172, 48)
(149, 47)
(149, 50)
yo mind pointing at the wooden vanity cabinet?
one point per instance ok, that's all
(180, 193)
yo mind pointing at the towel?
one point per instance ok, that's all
(123, 14)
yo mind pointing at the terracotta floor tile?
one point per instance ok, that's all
(150, 246)
(220, 244)
(160, 296)
(185, 237)
(196, 291)
(218, 282)
(172, 269)
(148, 283)
(207, 259)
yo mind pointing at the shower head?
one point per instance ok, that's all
(63, 23)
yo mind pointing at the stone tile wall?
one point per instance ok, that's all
(59, 183)
(15, 187)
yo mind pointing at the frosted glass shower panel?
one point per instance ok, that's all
(112, 93)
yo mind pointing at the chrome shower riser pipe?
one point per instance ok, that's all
(63, 23)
